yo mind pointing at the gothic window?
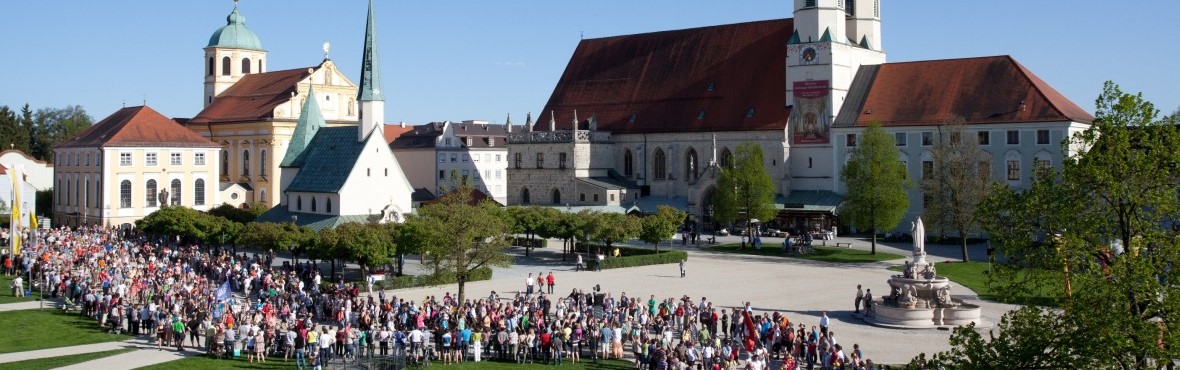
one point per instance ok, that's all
(524, 196)
(561, 160)
(628, 163)
(125, 194)
(176, 192)
(299, 203)
(225, 66)
(262, 163)
(328, 207)
(516, 159)
(199, 192)
(313, 204)
(556, 196)
(150, 189)
(690, 165)
(211, 66)
(245, 65)
(727, 158)
(660, 165)
(246, 162)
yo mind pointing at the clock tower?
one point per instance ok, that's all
(831, 40)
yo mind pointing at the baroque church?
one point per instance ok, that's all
(662, 112)
(306, 142)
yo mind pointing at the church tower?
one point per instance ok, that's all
(831, 40)
(372, 102)
(233, 51)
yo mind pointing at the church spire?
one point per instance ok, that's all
(310, 122)
(370, 64)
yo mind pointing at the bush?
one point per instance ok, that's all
(630, 256)
(414, 281)
(531, 243)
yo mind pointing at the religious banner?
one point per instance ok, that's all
(811, 113)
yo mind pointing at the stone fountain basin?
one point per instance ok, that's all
(925, 318)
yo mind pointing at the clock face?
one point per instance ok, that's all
(808, 55)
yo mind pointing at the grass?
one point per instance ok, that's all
(49, 328)
(822, 254)
(6, 292)
(1041, 288)
(60, 361)
(201, 362)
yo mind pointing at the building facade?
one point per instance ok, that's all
(129, 165)
(435, 155)
(38, 173)
(801, 88)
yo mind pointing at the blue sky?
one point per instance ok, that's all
(473, 59)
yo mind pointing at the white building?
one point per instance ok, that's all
(655, 129)
(476, 151)
(37, 172)
(25, 191)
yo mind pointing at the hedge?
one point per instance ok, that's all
(534, 243)
(630, 256)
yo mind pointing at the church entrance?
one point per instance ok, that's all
(707, 210)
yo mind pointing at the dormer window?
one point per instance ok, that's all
(448, 141)
(470, 141)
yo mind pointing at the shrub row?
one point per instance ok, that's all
(534, 243)
(630, 256)
(414, 281)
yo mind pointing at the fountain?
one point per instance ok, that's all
(919, 298)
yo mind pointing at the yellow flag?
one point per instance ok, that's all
(14, 219)
(32, 220)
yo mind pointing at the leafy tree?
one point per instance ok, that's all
(609, 228)
(960, 180)
(561, 225)
(1107, 221)
(656, 228)
(744, 190)
(54, 125)
(175, 221)
(234, 214)
(876, 184)
(1026, 338)
(366, 244)
(527, 220)
(14, 136)
(461, 236)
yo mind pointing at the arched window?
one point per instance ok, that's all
(245, 65)
(690, 165)
(556, 196)
(262, 163)
(224, 163)
(263, 196)
(628, 163)
(125, 194)
(328, 206)
(660, 165)
(351, 106)
(524, 196)
(150, 190)
(727, 158)
(246, 162)
(225, 65)
(175, 192)
(212, 66)
(199, 192)
(299, 203)
(313, 207)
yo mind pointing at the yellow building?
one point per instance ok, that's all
(251, 113)
(129, 165)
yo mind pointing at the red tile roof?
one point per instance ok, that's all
(980, 90)
(392, 132)
(136, 126)
(666, 81)
(253, 98)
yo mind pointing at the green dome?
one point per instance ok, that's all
(235, 34)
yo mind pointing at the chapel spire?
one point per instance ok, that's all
(370, 64)
(311, 120)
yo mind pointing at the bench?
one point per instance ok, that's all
(844, 245)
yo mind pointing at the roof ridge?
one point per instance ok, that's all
(691, 28)
(1040, 85)
(951, 59)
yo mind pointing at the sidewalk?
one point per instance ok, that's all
(31, 305)
(63, 351)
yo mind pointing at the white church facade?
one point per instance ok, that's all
(654, 130)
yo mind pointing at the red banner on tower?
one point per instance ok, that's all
(810, 116)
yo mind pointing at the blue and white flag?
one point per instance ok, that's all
(222, 293)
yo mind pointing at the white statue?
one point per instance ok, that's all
(919, 232)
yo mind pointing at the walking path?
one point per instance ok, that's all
(31, 305)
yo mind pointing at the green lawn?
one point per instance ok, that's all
(1042, 288)
(6, 291)
(202, 362)
(49, 328)
(823, 254)
(56, 362)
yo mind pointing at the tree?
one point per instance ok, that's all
(744, 190)
(366, 244)
(1026, 338)
(461, 236)
(1108, 222)
(527, 220)
(609, 228)
(15, 136)
(234, 214)
(959, 181)
(656, 228)
(876, 184)
(176, 221)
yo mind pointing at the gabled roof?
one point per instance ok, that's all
(424, 136)
(719, 78)
(254, 97)
(310, 122)
(980, 90)
(392, 132)
(327, 162)
(136, 126)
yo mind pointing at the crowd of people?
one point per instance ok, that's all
(237, 305)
